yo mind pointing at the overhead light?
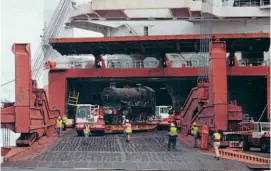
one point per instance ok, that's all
(162, 88)
(138, 84)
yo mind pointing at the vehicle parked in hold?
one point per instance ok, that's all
(247, 135)
(259, 137)
(85, 114)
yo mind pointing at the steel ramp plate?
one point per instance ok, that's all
(147, 151)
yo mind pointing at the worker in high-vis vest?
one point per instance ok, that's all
(217, 138)
(86, 131)
(204, 136)
(194, 133)
(59, 126)
(124, 123)
(172, 137)
(128, 130)
(64, 121)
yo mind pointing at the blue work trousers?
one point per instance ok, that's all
(124, 133)
(85, 138)
(59, 130)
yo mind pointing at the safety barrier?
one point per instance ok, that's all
(250, 3)
(244, 156)
(118, 63)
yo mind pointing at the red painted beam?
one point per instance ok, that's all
(249, 71)
(150, 38)
(131, 72)
(154, 72)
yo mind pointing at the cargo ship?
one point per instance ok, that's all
(209, 60)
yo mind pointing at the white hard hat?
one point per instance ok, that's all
(127, 120)
(172, 124)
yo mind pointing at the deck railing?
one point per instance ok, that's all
(154, 63)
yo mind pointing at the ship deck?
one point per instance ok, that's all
(147, 151)
(151, 45)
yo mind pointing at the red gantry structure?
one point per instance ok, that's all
(208, 102)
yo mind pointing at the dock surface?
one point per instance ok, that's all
(147, 151)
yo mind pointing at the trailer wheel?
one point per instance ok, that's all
(246, 145)
(265, 145)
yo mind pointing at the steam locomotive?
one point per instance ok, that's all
(137, 104)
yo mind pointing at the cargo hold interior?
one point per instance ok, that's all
(249, 92)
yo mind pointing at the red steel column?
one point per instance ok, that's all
(57, 89)
(268, 95)
(218, 94)
(23, 86)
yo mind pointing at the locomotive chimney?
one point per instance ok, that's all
(113, 85)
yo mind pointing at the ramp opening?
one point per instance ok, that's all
(250, 93)
(90, 89)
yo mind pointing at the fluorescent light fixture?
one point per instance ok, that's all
(162, 88)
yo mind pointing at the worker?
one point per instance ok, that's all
(86, 131)
(172, 136)
(124, 123)
(216, 138)
(251, 120)
(59, 126)
(64, 121)
(194, 132)
(204, 136)
(128, 130)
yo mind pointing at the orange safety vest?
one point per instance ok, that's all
(205, 129)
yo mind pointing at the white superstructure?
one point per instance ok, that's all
(171, 17)
(113, 18)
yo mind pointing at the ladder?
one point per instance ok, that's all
(73, 98)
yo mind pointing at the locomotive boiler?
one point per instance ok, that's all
(137, 104)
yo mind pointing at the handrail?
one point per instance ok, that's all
(119, 63)
(45, 100)
(189, 99)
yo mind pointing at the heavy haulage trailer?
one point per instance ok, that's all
(138, 105)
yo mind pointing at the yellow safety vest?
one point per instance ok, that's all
(173, 131)
(128, 129)
(64, 119)
(217, 137)
(86, 130)
(59, 124)
(194, 130)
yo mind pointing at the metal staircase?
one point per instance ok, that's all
(51, 31)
